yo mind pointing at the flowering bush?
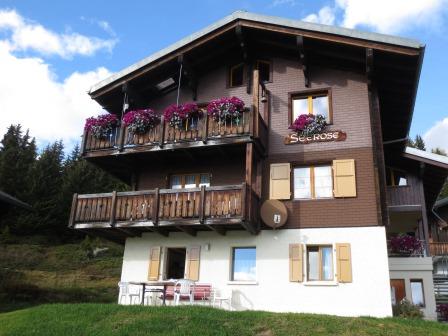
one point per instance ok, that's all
(139, 121)
(176, 115)
(442, 309)
(226, 108)
(102, 125)
(405, 244)
(307, 124)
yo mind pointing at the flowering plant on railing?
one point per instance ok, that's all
(307, 124)
(226, 108)
(405, 244)
(140, 121)
(101, 126)
(177, 115)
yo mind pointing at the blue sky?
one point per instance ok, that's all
(91, 39)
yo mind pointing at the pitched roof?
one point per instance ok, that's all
(272, 20)
(426, 157)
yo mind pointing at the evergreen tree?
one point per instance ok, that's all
(17, 157)
(439, 151)
(46, 197)
(419, 143)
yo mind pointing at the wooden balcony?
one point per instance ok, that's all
(403, 198)
(438, 249)
(198, 132)
(128, 214)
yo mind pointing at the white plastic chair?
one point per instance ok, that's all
(126, 291)
(218, 296)
(183, 288)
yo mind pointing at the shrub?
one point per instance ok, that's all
(407, 310)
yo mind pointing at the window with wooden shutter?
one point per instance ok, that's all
(192, 267)
(280, 181)
(344, 178)
(296, 262)
(154, 263)
(344, 262)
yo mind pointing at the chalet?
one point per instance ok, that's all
(267, 159)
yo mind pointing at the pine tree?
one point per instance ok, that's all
(17, 157)
(419, 143)
(439, 151)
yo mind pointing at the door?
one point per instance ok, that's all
(397, 290)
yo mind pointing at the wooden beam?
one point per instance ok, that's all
(187, 229)
(218, 230)
(133, 95)
(255, 102)
(369, 65)
(112, 208)
(189, 71)
(303, 59)
(71, 221)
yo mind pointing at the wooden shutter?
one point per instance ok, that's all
(280, 181)
(154, 263)
(344, 178)
(344, 262)
(296, 262)
(192, 263)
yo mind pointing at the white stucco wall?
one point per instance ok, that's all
(416, 268)
(368, 294)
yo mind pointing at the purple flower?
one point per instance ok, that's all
(225, 108)
(102, 125)
(306, 124)
(177, 114)
(139, 121)
(405, 244)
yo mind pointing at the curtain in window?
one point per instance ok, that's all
(302, 183)
(323, 185)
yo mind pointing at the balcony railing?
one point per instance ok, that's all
(438, 249)
(403, 196)
(209, 206)
(196, 132)
(421, 252)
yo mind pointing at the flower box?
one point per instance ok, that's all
(102, 126)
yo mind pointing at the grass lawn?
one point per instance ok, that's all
(111, 319)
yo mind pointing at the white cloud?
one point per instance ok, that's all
(437, 135)
(276, 3)
(325, 15)
(31, 94)
(26, 35)
(383, 16)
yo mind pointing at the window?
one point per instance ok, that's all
(243, 264)
(318, 103)
(313, 182)
(418, 297)
(319, 263)
(237, 76)
(264, 70)
(396, 177)
(189, 181)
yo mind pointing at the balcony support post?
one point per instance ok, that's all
(162, 132)
(84, 142)
(255, 102)
(72, 219)
(155, 208)
(205, 128)
(121, 133)
(113, 208)
(202, 205)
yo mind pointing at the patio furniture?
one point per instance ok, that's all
(127, 291)
(164, 284)
(218, 296)
(183, 289)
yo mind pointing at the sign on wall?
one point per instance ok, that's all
(294, 138)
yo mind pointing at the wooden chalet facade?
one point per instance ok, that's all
(200, 188)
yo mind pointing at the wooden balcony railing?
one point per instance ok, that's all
(438, 249)
(162, 207)
(403, 195)
(421, 252)
(200, 130)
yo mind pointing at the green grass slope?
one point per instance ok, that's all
(111, 319)
(34, 271)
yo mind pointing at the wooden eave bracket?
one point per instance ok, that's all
(246, 58)
(133, 95)
(303, 59)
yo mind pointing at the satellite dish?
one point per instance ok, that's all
(274, 213)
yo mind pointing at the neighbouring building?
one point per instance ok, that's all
(323, 131)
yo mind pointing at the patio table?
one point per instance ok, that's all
(161, 283)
